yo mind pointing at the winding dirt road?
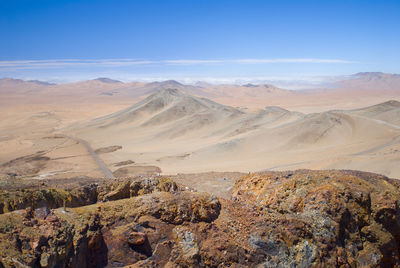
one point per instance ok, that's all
(107, 172)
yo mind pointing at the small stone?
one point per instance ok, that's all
(42, 212)
(136, 238)
(52, 218)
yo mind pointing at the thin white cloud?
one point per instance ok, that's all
(191, 62)
(66, 63)
(302, 60)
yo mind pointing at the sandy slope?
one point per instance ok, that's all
(182, 133)
(28, 134)
(179, 128)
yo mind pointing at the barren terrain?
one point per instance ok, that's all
(102, 173)
(63, 131)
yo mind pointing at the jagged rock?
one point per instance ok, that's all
(52, 218)
(42, 212)
(277, 219)
(121, 190)
(186, 252)
(51, 198)
(354, 212)
(84, 195)
(136, 239)
(95, 235)
(135, 187)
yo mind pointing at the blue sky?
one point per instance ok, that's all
(226, 39)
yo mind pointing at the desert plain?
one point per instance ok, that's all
(170, 128)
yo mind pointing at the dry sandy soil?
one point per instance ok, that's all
(173, 128)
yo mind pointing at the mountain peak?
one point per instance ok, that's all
(21, 82)
(171, 82)
(169, 91)
(368, 74)
(275, 109)
(372, 76)
(12, 80)
(250, 85)
(167, 83)
(41, 82)
(107, 80)
(393, 103)
(167, 94)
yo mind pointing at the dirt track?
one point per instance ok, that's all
(107, 172)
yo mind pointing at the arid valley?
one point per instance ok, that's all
(169, 128)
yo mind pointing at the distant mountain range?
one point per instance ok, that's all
(362, 88)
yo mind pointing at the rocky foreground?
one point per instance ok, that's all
(277, 219)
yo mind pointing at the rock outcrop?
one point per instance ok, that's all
(116, 233)
(11, 200)
(130, 188)
(277, 219)
(334, 218)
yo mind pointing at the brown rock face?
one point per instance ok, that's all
(336, 217)
(112, 234)
(278, 219)
(135, 187)
(51, 198)
(83, 195)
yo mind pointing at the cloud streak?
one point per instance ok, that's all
(71, 63)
